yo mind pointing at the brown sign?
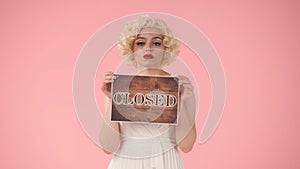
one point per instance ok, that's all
(152, 99)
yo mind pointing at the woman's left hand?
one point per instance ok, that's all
(186, 87)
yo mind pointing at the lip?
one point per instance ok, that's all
(148, 56)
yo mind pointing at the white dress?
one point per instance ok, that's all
(147, 146)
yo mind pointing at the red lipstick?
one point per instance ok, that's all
(148, 56)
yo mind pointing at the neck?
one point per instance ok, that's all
(142, 68)
(153, 71)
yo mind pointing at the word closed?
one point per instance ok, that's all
(165, 100)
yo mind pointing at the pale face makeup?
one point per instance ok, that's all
(148, 49)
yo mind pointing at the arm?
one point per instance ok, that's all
(185, 130)
(109, 136)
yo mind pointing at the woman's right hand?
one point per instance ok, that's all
(106, 85)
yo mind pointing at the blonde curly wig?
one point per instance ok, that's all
(131, 31)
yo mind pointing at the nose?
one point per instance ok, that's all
(148, 46)
(148, 49)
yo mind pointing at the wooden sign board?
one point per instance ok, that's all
(150, 99)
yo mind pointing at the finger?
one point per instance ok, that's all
(104, 88)
(184, 81)
(107, 81)
(108, 77)
(180, 77)
(187, 88)
(189, 85)
(181, 82)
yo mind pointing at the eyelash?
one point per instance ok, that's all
(140, 43)
(143, 43)
(156, 43)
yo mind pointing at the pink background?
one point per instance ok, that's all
(258, 44)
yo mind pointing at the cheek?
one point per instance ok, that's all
(135, 47)
(158, 52)
(138, 54)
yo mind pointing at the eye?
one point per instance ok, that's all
(140, 43)
(156, 43)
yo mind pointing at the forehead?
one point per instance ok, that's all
(150, 32)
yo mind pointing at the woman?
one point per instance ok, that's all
(148, 45)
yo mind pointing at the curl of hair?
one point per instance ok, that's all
(131, 31)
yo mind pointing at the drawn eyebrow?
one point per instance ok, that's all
(140, 38)
(156, 37)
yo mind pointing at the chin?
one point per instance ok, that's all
(154, 71)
